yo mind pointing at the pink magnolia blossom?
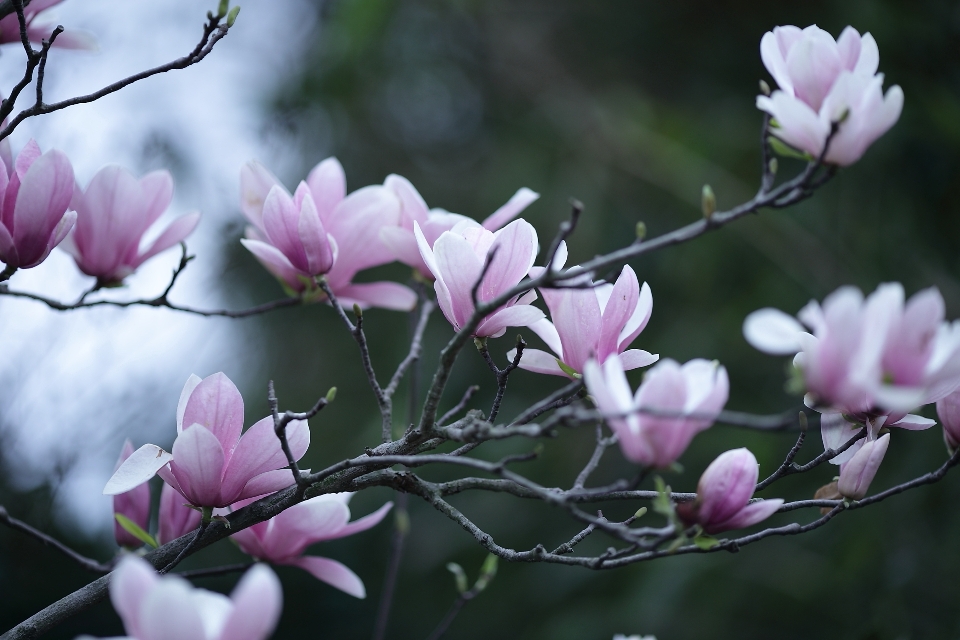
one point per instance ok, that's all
(724, 492)
(283, 538)
(867, 357)
(948, 410)
(402, 240)
(155, 607)
(673, 404)
(836, 430)
(858, 472)
(823, 81)
(174, 518)
(113, 214)
(36, 193)
(594, 322)
(352, 223)
(134, 504)
(212, 465)
(36, 33)
(457, 259)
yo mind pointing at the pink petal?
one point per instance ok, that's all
(516, 249)
(413, 208)
(41, 203)
(750, 515)
(268, 482)
(639, 319)
(301, 525)
(157, 192)
(216, 404)
(403, 243)
(130, 583)
(111, 217)
(185, 394)
(275, 262)
(772, 331)
(170, 611)
(255, 183)
(576, 316)
(355, 223)
(636, 358)
(281, 217)
(522, 199)
(314, 239)
(913, 423)
(459, 269)
(198, 464)
(383, 295)
(800, 126)
(849, 45)
(257, 604)
(521, 315)
(727, 485)
(174, 519)
(366, 522)
(835, 431)
(538, 362)
(548, 333)
(869, 58)
(259, 451)
(328, 185)
(333, 573)
(620, 306)
(175, 233)
(142, 465)
(857, 474)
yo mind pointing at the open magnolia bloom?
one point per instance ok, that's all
(113, 214)
(724, 492)
(346, 227)
(823, 81)
(673, 404)
(596, 321)
(35, 193)
(212, 464)
(402, 240)
(155, 607)
(283, 538)
(867, 357)
(457, 259)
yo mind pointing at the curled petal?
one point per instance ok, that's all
(142, 465)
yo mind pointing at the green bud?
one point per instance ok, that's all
(459, 576)
(641, 230)
(642, 511)
(708, 201)
(480, 343)
(803, 421)
(773, 165)
(764, 87)
(487, 573)
(224, 8)
(232, 16)
(357, 311)
(331, 394)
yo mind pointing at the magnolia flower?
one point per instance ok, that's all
(948, 410)
(857, 473)
(133, 504)
(822, 82)
(37, 33)
(113, 214)
(212, 465)
(352, 224)
(155, 607)
(867, 357)
(673, 404)
(36, 192)
(594, 322)
(457, 260)
(402, 240)
(283, 538)
(724, 492)
(174, 518)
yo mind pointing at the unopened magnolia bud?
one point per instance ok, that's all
(773, 165)
(331, 394)
(708, 201)
(641, 230)
(764, 87)
(803, 421)
(224, 8)
(642, 511)
(357, 311)
(232, 16)
(459, 576)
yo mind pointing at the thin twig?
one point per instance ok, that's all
(501, 374)
(18, 525)
(460, 406)
(602, 445)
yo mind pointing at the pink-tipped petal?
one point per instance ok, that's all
(216, 404)
(142, 465)
(539, 362)
(130, 583)
(41, 203)
(259, 451)
(749, 515)
(328, 185)
(255, 183)
(366, 522)
(333, 573)
(383, 295)
(621, 304)
(313, 520)
(268, 482)
(516, 249)
(857, 474)
(175, 233)
(413, 208)
(517, 316)
(174, 519)
(636, 358)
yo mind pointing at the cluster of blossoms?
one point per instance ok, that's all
(865, 363)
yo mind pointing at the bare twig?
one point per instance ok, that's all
(280, 422)
(602, 444)
(18, 525)
(460, 406)
(501, 374)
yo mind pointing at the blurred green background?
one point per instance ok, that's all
(629, 106)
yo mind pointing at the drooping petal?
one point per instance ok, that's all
(539, 362)
(749, 515)
(364, 523)
(383, 295)
(333, 573)
(303, 524)
(142, 465)
(772, 331)
(267, 482)
(636, 358)
(175, 233)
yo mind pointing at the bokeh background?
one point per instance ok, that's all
(629, 106)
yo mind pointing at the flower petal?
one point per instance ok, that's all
(522, 199)
(142, 465)
(772, 331)
(198, 464)
(333, 573)
(257, 604)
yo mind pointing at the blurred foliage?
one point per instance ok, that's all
(631, 107)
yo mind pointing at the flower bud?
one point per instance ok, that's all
(948, 410)
(857, 473)
(708, 201)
